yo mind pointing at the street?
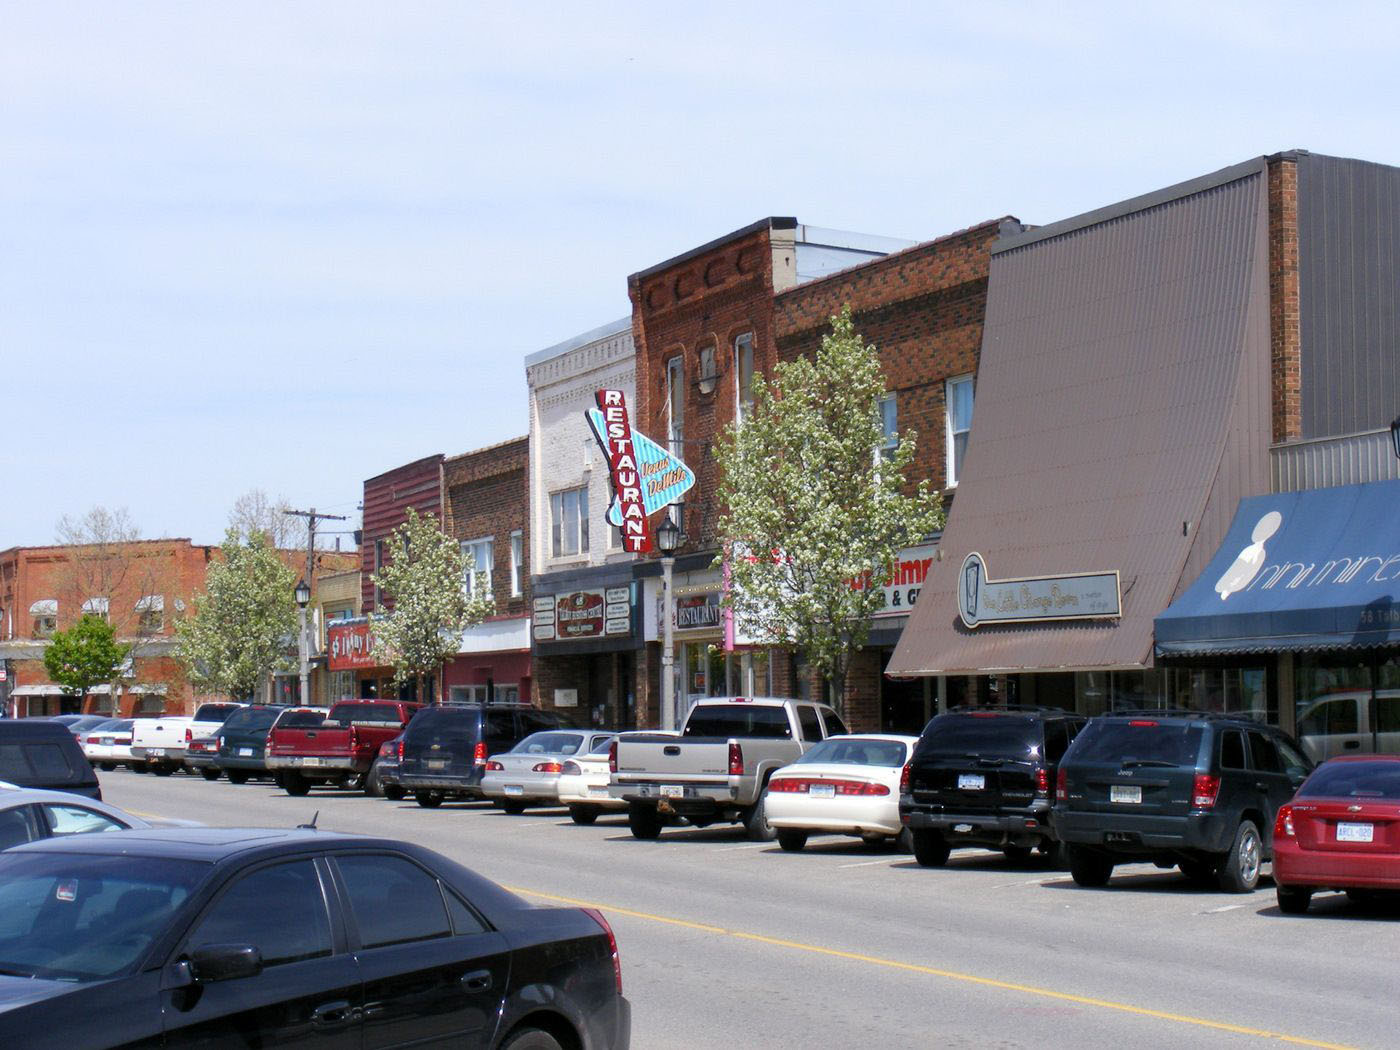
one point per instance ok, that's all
(728, 944)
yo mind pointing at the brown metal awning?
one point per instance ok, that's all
(1122, 410)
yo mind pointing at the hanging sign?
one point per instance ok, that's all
(645, 476)
(1079, 596)
(351, 646)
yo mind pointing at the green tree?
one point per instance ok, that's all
(813, 499)
(426, 577)
(242, 626)
(85, 655)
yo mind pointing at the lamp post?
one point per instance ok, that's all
(1395, 436)
(668, 538)
(303, 596)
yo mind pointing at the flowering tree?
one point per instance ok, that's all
(85, 655)
(427, 577)
(814, 499)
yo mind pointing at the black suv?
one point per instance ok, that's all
(443, 751)
(1185, 788)
(982, 777)
(40, 754)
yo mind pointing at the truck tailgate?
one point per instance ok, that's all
(671, 758)
(321, 741)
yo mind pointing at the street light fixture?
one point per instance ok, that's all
(303, 596)
(668, 539)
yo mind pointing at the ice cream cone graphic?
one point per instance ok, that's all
(1247, 564)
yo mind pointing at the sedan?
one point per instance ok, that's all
(583, 784)
(108, 743)
(1340, 832)
(528, 774)
(247, 937)
(28, 814)
(847, 785)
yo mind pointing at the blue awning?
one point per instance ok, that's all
(1297, 571)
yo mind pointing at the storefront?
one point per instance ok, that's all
(493, 664)
(586, 635)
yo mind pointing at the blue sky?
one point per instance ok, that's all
(289, 246)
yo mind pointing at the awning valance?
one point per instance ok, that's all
(41, 689)
(151, 603)
(44, 607)
(1297, 571)
(96, 606)
(143, 689)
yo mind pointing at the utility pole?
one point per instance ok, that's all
(304, 646)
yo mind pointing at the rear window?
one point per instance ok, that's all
(253, 718)
(1143, 740)
(1359, 780)
(739, 720)
(364, 714)
(857, 752)
(549, 744)
(445, 723)
(301, 719)
(215, 712)
(38, 760)
(981, 734)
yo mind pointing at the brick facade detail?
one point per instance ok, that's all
(1284, 326)
(487, 497)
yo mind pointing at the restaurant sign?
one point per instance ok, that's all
(1078, 596)
(349, 647)
(902, 584)
(645, 476)
(593, 613)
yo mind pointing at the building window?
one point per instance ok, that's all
(150, 612)
(481, 553)
(96, 607)
(517, 563)
(959, 424)
(675, 406)
(378, 564)
(569, 521)
(743, 376)
(45, 613)
(889, 432)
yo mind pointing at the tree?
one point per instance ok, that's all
(243, 624)
(85, 655)
(256, 511)
(813, 500)
(433, 604)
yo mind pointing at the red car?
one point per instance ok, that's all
(1340, 832)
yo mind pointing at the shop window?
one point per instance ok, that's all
(958, 424)
(507, 694)
(517, 563)
(569, 521)
(743, 377)
(675, 406)
(481, 553)
(889, 432)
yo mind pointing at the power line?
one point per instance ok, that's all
(312, 517)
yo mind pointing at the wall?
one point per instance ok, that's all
(487, 498)
(387, 498)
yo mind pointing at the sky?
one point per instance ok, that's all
(289, 246)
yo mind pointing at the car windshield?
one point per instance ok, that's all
(301, 719)
(86, 917)
(1139, 740)
(982, 733)
(364, 714)
(549, 744)
(1359, 780)
(857, 752)
(602, 747)
(254, 719)
(215, 712)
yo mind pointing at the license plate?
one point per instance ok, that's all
(1130, 793)
(962, 829)
(597, 792)
(310, 761)
(514, 789)
(107, 741)
(436, 763)
(1356, 832)
(672, 791)
(821, 790)
(159, 752)
(246, 752)
(971, 782)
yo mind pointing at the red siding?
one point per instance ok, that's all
(386, 502)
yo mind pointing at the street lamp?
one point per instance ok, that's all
(303, 596)
(668, 538)
(1395, 436)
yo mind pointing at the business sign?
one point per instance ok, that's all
(902, 584)
(646, 477)
(592, 613)
(350, 647)
(1079, 596)
(698, 611)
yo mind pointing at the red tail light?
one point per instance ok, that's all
(904, 779)
(91, 739)
(494, 767)
(1142, 723)
(478, 753)
(571, 769)
(189, 735)
(546, 767)
(612, 757)
(398, 750)
(354, 739)
(597, 917)
(736, 759)
(1283, 823)
(799, 786)
(1061, 787)
(1042, 782)
(1205, 791)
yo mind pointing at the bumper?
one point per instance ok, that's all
(1144, 835)
(531, 788)
(578, 790)
(848, 814)
(1335, 869)
(172, 755)
(254, 764)
(1027, 826)
(312, 766)
(202, 761)
(465, 786)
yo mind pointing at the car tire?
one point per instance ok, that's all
(756, 823)
(428, 799)
(1088, 867)
(1016, 854)
(931, 849)
(531, 1039)
(211, 774)
(238, 776)
(295, 784)
(1293, 900)
(394, 793)
(584, 815)
(162, 770)
(792, 839)
(1239, 873)
(373, 788)
(644, 822)
(1199, 872)
(107, 767)
(513, 809)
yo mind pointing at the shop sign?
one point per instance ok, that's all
(1076, 596)
(901, 587)
(350, 647)
(698, 612)
(594, 613)
(566, 698)
(645, 476)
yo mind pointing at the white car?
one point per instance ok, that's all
(846, 785)
(27, 814)
(108, 744)
(528, 774)
(583, 784)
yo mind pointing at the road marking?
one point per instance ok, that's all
(1217, 911)
(951, 975)
(865, 863)
(748, 845)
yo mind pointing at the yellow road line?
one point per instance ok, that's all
(951, 975)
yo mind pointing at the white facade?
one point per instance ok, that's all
(565, 460)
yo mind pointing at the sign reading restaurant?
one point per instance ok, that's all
(1077, 596)
(590, 613)
(645, 476)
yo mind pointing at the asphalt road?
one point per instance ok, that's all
(730, 945)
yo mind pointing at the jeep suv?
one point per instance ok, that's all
(982, 777)
(1182, 788)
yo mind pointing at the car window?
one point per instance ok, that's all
(78, 820)
(537, 721)
(1294, 761)
(215, 712)
(1330, 718)
(982, 733)
(809, 723)
(500, 725)
(858, 752)
(834, 725)
(1140, 739)
(1264, 754)
(549, 744)
(1232, 749)
(602, 747)
(464, 920)
(1387, 714)
(35, 759)
(280, 910)
(1361, 780)
(393, 899)
(17, 825)
(294, 719)
(738, 720)
(364, 714)
(254, 719)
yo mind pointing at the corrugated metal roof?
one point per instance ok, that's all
(1110, 370)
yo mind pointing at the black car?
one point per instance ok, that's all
(445, 747)
(242, 937)
(1191, 789)
(982, 777)
(37, 753)
(243, 739)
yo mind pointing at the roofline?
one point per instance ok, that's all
(593, 335)
(486, 448)
(22, 548)
(773, 222)
(436, 457)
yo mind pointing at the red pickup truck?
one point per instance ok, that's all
(341, 749)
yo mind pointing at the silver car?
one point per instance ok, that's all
(528, 774)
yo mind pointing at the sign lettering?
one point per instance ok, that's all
(1080, 596)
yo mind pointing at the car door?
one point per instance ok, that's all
(66, 819)
(434, 975)
(1270, 778)
(309, 993)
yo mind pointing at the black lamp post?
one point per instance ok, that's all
(303, 596)
(668, 538)
(1395, 436)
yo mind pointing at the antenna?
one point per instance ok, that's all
(312, 825)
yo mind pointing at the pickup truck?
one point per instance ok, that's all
(717, 768)
(339, 751)
(158, 744)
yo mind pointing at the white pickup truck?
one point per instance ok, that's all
(158, 744)
(717, 768)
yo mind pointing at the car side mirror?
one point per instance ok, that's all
(224, 962)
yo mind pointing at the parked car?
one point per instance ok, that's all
(41, 754)
(218, 936)
(341, 750)
(583, 784)
(846, 785)
(202, 757)
(1341, 831)
(528, 774)
(108, 744)
(1348, 722)
(446, 747)
(1200, 791)
(81, 724)
(982, 777)
(728, 749)
(28, 814)
(159, 744)
(241, 743)
(383, 779)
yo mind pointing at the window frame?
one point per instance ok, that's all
(517, 562)
(951, 466)
(675, 397)
(889, 427)
(355, 936)
(475, 585)
(743, 403)
(558, 520)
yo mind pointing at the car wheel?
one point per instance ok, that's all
(1088, 867)
(1240, 872)
(930, 848)
(513, 808)
(394, 793)
(295, 784)
(644, 822)
(1199, 872)
(756, 823)
(162, 771)
(531, 1039)
(428, 799)
(1293, 900)
(373, 788)
(238, 776)
(792, 839)
(210, 774)
(1017, 854)
(583, 814)
(107, 767)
